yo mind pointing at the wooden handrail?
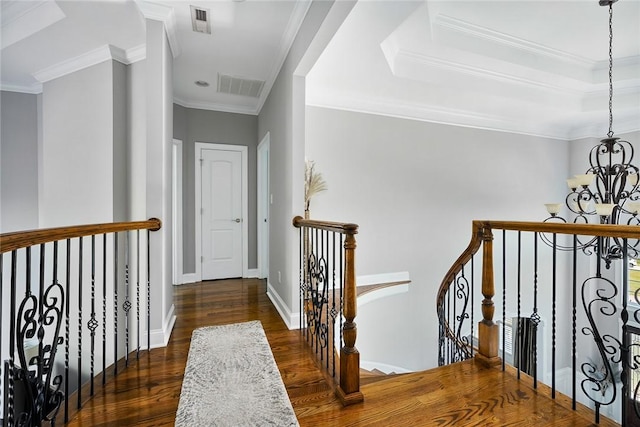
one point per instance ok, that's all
(22, 239)
(336, 227)
(604, 230)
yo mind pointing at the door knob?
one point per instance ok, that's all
(237, 220)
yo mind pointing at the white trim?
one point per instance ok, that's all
(189, 278)
(374, 279)
(176, 205)
(166, 15)
(262, 194)
(212, 106)
(33, 89)
(93, 57)
(382, 293)
(292, 320)
(244, 150)
(88, 59)
(160, 337)
(289, 35)
(252, 273)
(384, 367)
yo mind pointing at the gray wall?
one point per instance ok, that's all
(194, 125)
(414, 188)
(19, 161)
(283, 116)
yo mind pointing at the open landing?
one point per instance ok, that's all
(464, 394)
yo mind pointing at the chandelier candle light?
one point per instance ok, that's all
(609, 190)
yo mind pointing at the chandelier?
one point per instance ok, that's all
(608, 193)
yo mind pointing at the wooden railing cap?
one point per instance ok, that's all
(22, 239)
(337, 227)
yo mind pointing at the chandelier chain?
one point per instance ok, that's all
(610, 133)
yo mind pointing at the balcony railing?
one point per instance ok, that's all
(328, 300)
(75, 308)
(543, 298)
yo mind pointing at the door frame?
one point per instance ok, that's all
(244, 150)
(176, 205)
(263, 200)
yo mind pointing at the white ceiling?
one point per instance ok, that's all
(536, 67)
(44, 39)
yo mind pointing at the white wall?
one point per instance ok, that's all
(19, 161)
(159, 140)
(414, 188)
(78, 149)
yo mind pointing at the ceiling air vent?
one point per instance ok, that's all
(239, 86)
(200, 20)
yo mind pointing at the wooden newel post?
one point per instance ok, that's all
(348, 390)
(488, 331)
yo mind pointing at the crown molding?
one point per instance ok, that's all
(88, 59)
(421, 60)
(225, 108)
(436, 114)
(21, 19)
(33, 89)
(165, 14)
(286, 41)
(93, 57)
(483, 33)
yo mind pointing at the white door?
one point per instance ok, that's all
(221, 214)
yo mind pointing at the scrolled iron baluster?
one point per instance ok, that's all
(47, 397)
(462, 291)
(54, 305)
(596, 380)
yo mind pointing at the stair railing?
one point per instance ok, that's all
(557, 311)
(75, 307)
(328, 300)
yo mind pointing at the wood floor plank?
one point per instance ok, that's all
(461, 395)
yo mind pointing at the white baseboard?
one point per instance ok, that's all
(189, 278)
(292, 320)
(374, 279)
(384, 367)
(251, 273)
(160, 337)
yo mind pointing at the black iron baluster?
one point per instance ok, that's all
(341, 287)
(553, 317)
(519, 341)
(1, 319)
(300, 282)
(334, 313)
(138, 292)
(535, 317)
(104, 309)
(116, 261)
(624, 349)
(92, 324)
(455, 318)
(148, 291)
(79, 389)
(471, 292)
(67, 324)
(504, 298)
(574, 321)
(127, 304)
(12, 345)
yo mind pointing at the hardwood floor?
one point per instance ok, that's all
(147, 393)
